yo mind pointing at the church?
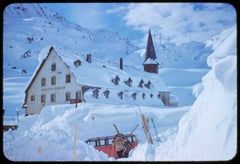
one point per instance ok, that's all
(150, 62)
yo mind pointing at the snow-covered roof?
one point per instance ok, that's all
(150, 61)
(100, 73)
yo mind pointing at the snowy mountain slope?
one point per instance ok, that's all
(187, 55)
(28, 28)
(28, 10)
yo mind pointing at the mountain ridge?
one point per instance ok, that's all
(41, 23)
(25, 34)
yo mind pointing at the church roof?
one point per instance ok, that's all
(150, 50)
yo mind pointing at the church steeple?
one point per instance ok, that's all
(150, 62)
(150, 50)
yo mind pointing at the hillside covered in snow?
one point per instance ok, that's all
(202, 76)
(29, 28)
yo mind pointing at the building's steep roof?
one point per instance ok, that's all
(150, 61)
(42, 59)
(150, 50)
(100, 73)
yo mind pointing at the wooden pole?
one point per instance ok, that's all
(145, 127)
(75, 140)
(75, 130)
(146, 130)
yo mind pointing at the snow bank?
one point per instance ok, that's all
(197, 89)
(49, 136)
(224, 46)
(209, 130)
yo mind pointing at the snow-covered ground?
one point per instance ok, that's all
(53, 130)
(202, 127)
(207, 130)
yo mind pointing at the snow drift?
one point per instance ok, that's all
(209, 130)
(49, 136)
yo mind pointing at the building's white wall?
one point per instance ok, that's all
(60, 89)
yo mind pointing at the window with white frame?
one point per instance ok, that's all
(43, 98)
(53, 80)
(68, 78)
(43, 82)
(53, 97)
(32, 98)
(68, 96)
(53, 67)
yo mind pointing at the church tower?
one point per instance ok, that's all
(150, 62)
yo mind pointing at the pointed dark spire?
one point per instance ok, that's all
(150, 51)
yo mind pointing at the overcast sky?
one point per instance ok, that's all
(174, 22)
